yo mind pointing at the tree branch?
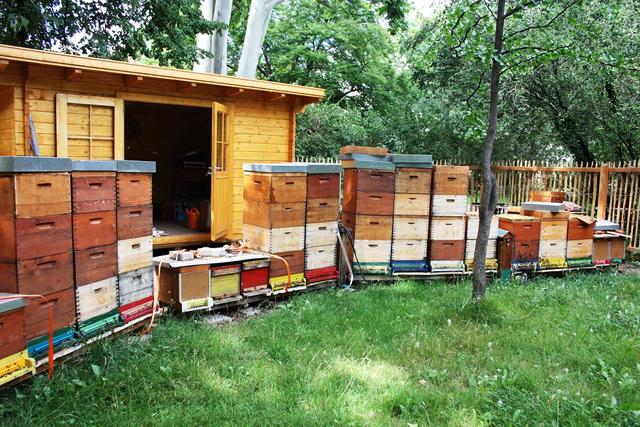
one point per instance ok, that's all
(519, 7)
(623, 67)
(547, 25)
(489, 9)
(480, 80)
(466, 33)
(534, 57)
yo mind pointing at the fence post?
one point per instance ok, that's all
(603, 191)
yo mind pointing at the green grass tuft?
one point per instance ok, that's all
(550, 351)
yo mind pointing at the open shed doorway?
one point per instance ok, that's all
(178, 139)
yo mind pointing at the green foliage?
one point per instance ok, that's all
(569, 76)
(553, 351)
(162, 30)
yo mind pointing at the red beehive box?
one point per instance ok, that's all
(523, 228)
(581, 228)
(12, 338)
(254, 275)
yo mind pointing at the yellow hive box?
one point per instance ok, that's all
(549, 263)
(225, 286)
(280, 282)
(489, 263)
(15, 366)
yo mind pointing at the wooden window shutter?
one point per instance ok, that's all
(89, 127)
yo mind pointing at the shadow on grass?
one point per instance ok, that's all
(485, 311)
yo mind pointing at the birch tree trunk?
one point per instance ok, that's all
(203, 41)
(257, 24)
(222, 14)
(489, 198)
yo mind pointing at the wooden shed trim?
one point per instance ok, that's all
(18, 54)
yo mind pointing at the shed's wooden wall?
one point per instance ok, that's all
(262, 131)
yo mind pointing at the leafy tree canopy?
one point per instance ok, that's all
(161, 30)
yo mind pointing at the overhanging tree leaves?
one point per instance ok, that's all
(164, 31)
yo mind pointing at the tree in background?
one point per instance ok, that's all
(163, 31)
(219, 12)
(557, 105)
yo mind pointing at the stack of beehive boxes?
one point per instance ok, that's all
(580, 240)
(14, 358)
(411, 211)
(93, 185)
(274, 217)
(135, 241)
(448, 208)
(552, 252)
(367, 208)
(321, 225)
(525, 231)
(473, 223)
(36, 244)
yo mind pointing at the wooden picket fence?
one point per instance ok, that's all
(604, 190)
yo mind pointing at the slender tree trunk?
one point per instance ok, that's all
(489, 197)
(257, 24)
(204, 41)
(222, 14)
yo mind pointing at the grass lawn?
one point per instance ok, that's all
(553, 351)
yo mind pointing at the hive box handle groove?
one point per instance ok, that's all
(46, 265)
(95, 185)
(44, 185)
(45, 225)
(95, 220)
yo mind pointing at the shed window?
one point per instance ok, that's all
(222, 140)
(88, 127)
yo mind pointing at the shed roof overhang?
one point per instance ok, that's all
(131, 72)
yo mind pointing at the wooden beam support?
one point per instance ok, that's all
(4, 63)
(273, 97)
(185, 86)
(72, 74)
(603, 192)
(130, 80)
(233, 92)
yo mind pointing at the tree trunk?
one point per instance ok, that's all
(257, 24)
(204, 41)
(489, 197)
(222, 14)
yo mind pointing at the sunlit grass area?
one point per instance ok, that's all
(563, 351)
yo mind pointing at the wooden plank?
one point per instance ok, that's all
(603, 191)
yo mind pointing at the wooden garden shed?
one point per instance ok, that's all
(200, 128)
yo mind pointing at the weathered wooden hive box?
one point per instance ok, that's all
(93, 197)
(184, 288)
(275, 198)
(411, 210)
(321, 224)
(135, 246)
(608, 243)
(36, 251)
(367, 206)
(473, 222)
(448, 208)
(580, 240)
(526, 235)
